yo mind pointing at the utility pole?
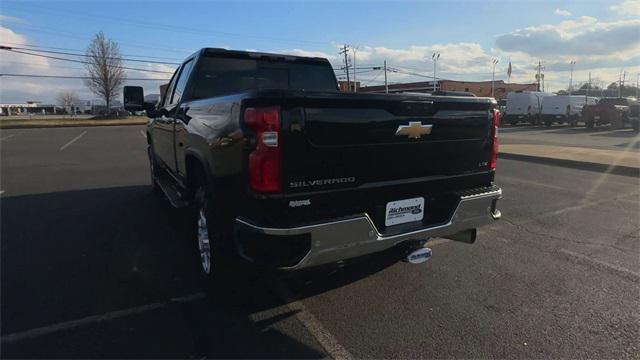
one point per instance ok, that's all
(435, 58)
(345, 51)
(586, 94)
(637, 85)
(386, 85)
(493, 78)
(355, 82)
(620, 84)
(571, 77)
(539, 75)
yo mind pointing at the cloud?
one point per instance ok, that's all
(462, 60)
(561, 12)
(301, 52)
(627, 7)
(584, 37)
(7, 18)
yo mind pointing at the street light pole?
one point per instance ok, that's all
(493, 78)
(571, 77)
(386, 85)
(355, 81)
(435, 58)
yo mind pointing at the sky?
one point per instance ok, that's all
(602, 37)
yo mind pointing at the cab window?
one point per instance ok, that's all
(181, 84)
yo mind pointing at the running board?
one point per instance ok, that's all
(170, 190)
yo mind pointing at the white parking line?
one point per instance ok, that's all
(49, 329)
(617, 269)
(315, 328)
(529, 182)
(143, 134)
(9, 136)
(72, 141)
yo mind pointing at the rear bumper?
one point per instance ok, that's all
(346, 238)
(517, 117)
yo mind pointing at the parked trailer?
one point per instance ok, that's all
(564, 109)
(524, 106)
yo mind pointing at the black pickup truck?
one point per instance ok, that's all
(282, 169)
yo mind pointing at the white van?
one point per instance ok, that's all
(524, 106)
(564, 108)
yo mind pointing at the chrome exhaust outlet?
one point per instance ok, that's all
(419, 256)
(466, 236)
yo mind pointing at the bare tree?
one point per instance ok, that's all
(104, 68)
(67, 99)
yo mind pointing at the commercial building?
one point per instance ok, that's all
(29, 107)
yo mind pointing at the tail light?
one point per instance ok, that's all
(265, 163)
(494, 150)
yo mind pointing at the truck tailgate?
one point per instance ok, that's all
(346, 141)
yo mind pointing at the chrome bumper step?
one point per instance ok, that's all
(357, 235)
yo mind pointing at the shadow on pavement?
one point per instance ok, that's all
(622, 133)
(69, 255)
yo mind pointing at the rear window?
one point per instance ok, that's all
(219, 76)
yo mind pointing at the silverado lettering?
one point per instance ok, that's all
(307, 183)
(238, 137)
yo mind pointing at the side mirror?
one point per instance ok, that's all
(133, 98)
(151, 111)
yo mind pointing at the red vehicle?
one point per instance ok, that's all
(614, 111)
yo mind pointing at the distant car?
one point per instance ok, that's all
(524, 106)
(614, 111)
(564, 109)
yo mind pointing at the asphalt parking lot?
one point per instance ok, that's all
(93, 265)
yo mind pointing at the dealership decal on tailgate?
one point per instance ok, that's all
(403, 211)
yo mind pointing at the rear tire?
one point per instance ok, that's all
(210, 236)
(617, 123)
(573, 121)
(548, 123)
(588, 123)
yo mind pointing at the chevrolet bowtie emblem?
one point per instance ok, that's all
(414, 130)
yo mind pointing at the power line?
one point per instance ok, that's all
(83, 55)
(74, 77)
(80, 61)
(173, 28)
(76, 50)
(121, 43)
(41, 65)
